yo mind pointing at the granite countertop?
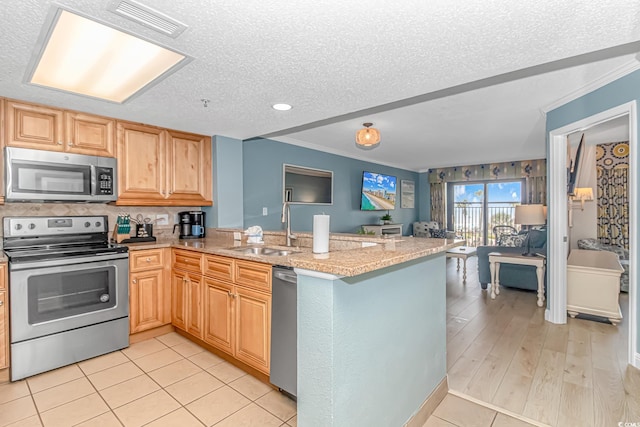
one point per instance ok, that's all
(346, 256)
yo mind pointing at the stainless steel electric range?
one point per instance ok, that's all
(68, 291)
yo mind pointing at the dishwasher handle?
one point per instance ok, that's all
(286, 276)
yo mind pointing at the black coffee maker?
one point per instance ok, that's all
(191, 224)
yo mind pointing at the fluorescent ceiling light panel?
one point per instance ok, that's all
(88, 58)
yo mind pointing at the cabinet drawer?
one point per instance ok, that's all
(187, 260)
(254, 275)
(218, 267)
(145, 260)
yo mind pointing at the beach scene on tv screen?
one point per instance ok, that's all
(378, 192)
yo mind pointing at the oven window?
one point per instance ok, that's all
(65, 179)
(59, 295)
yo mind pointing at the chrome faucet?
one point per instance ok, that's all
(286, 219)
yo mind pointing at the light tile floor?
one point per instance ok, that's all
(166, 381)
(455, 411)
(169, 381)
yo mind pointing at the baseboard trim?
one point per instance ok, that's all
(497, 409)
(4, 375)
(151, 333)
(429, 405)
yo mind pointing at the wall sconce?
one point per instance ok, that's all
(583, 195)
(368, 136)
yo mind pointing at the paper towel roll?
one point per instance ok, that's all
(320, 234)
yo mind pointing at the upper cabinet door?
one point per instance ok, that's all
(91, 135)
(190, 171)
(142, 167)
(34, 126)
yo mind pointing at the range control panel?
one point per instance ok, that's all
(49, 226)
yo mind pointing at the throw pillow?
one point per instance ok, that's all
(438, 233)
(516, 240)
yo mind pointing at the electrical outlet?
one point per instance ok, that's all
(162, 219)
(265, 212)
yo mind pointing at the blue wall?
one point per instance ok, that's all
(262, 167)
(621, 91)
(226, 211)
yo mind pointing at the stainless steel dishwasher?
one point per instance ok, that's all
(284, 330)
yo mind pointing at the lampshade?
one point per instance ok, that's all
(368, 137)
(583, 194)
(530, 215)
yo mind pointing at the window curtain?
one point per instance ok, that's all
(534, 171)
(536, 190)
(612, 165)
(438, 203)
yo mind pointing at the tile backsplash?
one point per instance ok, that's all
(74, 209)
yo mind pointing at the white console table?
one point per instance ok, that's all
(386, 229)
(593, 284)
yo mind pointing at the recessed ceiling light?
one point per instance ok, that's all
(281, 107)
(85, 57)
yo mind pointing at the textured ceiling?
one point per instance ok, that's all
(334, 59)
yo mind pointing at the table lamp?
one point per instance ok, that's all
(529, 215)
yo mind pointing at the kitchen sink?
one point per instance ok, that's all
(264, 251)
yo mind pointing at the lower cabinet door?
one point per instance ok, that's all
(194, 305)
(147, 301)
(179, 299)
(253, 328)
(218, 315)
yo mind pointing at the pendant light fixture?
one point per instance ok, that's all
(368, 137)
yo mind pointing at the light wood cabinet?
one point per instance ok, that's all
(149, 290)
(4, 318)
(45, 128)
(2, 138)
(142, 167)
(90, 135)
(219, 322)
(253, 327)
(189, 166)
(186, 292)
(238, 309)
(225, 302)
(160, 167)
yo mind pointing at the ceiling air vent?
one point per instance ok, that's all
(148, 17)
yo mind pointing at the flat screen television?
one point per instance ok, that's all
(378, 192)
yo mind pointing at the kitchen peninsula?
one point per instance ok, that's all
(371, 324)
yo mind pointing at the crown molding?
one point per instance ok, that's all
(607, 78)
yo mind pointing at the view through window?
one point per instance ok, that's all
(474, 208)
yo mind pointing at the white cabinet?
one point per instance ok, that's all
(593, 284)
(386, 229)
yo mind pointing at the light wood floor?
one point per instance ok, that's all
(503, 352)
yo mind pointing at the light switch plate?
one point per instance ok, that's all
(162, 219)
(265, 212)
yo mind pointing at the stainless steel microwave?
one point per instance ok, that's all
(49, 176)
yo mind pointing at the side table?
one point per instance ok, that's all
(497, 258)
(462, 252)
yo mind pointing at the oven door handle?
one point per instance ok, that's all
(67, 261)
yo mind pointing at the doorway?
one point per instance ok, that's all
(558, 217)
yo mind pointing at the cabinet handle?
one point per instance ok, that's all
(59, 142)
(134, 281)
(148, 259)
(1, 303)
(70, 144)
